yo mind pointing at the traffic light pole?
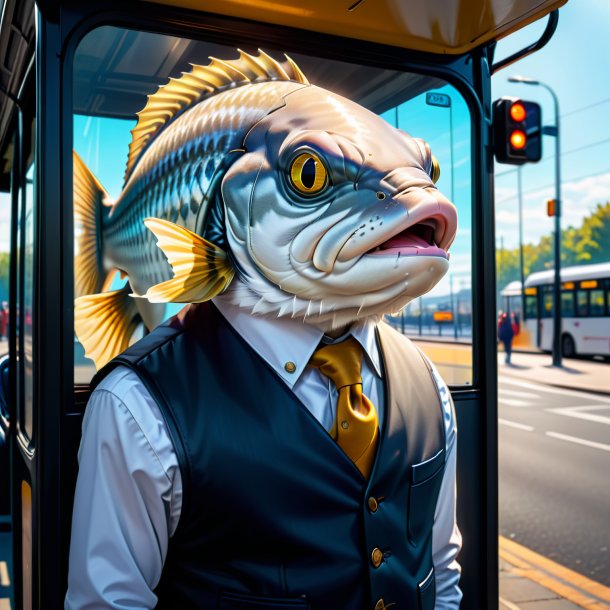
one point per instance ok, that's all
(553, 130)
(557, 276)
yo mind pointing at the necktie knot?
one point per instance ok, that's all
(340, 362)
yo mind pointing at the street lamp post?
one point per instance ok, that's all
(553, 130)
(521, 263)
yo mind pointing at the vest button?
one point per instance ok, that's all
(373, 504)
(380, 605)
(376, 557)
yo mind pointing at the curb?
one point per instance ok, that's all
(561, 386)
(564, 582)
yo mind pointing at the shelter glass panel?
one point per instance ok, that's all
(116, 69)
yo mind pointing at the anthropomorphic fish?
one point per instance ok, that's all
(289, 199)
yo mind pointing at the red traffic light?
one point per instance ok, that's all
(517, 112)
(518, 139)
(517, 131)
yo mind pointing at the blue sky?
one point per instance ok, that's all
(576, 65)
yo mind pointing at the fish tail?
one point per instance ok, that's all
(105, 323)
(90, 205)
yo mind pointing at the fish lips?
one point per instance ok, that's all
(427, 230)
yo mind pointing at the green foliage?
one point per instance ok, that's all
(587, 244)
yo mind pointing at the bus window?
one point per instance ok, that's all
(531, 306)
(26, 416)
(547, 302)
(108, 94)
(567, 303)
(6, 163)
(582, 303)
(597, 303)
(25, 284)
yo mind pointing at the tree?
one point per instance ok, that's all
(587, 244)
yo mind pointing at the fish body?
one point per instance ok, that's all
(175, 177)
(319, 208)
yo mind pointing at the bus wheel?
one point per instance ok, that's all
(568, 347)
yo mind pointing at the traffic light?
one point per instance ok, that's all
(517, 131)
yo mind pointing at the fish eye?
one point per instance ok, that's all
(307, 173)
(435, 170)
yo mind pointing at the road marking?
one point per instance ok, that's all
(518, 394)
(508, 604)
(5, 581)
(551, 390)
(580, 413)
(513, 402)
(544, 571)
(578, 441)
(514, 424)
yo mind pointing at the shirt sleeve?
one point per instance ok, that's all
(125, 501)
(446, 537)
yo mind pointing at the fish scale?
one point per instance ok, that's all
(171, 168)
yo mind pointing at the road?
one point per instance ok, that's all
(554, 458)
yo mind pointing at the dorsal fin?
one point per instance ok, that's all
(200, 82)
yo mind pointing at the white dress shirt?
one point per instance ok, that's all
(129, 490)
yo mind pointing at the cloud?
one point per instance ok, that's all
(579, 199)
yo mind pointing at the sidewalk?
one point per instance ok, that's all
(529, 581)
(586, 375)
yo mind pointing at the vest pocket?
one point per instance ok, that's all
(240, 601)
(427, 592)
(426, 479)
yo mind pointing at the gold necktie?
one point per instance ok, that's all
(355, 428)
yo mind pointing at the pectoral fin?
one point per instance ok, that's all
(201, 269)
(104, 324)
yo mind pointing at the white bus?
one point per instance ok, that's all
(585, 310)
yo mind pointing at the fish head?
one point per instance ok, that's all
(332, 214)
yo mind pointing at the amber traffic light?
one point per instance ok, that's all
(517, 131)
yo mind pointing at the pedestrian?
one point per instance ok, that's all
(515, 323)
(506, 334)
(4, 320)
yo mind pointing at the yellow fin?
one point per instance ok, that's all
(201, 81)
(89, 197)
(201, 269)
(104, 324)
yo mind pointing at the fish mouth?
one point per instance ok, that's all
(429, 237)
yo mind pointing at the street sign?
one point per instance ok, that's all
(441, 317)
(438, 99)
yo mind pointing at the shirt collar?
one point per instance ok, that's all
(287, 345)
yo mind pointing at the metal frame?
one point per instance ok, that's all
(549, 30)
(60, 29)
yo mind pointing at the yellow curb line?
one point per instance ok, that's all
(523, 559)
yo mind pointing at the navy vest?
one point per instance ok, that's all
(274, 514)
